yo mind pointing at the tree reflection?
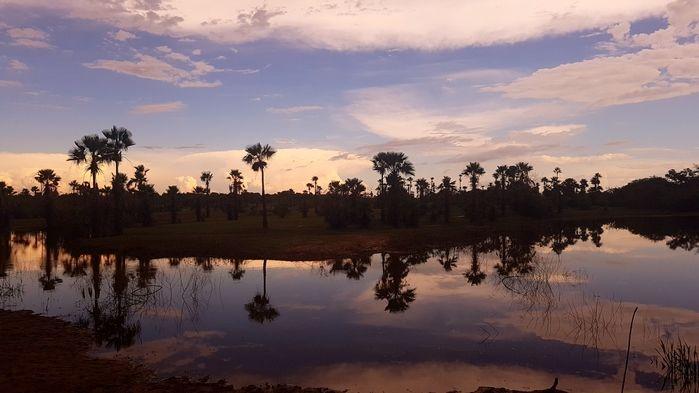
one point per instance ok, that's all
(110, 318)
(5, 254)
(48, 280)
(475, 275)
(447, 257)
(259, 309)
(392, 286)
(353, 268)
(237, 272)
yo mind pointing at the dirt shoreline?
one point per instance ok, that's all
(45, 354)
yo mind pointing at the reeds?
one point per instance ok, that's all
(680, 363)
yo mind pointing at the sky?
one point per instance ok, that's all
(589, 86)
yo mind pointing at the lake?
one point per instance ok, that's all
(507, 309)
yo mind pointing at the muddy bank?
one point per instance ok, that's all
(42, 354)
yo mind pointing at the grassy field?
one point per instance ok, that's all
(298, 238)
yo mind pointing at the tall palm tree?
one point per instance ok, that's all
(257, 156)
(447, 186)
(474, 171)
(172, 194)
(236, 178)
(259, 309)
(314, 179)
(422, 187)
(49, 180)
(119, 139)
(91, 150)
(308, 187)
(206, 178)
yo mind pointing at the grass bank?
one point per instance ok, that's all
(298, 238)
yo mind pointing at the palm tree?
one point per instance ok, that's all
(259, 309)
(172, 194)
(93, 151)
(314, 179)
(523, 169)
(474, 171)
(256, 156)
(410, 185)
(447, 186)
(49, 180)
(206, 177)
(596, 182)
(119, 139)
(308, 187)
(236, 178)
(422, 187)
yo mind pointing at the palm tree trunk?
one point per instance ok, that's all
(264, 279)
(264, 202)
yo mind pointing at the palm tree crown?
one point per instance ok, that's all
(474, 171)
(48, 179)
(119, 140)
(91, 150)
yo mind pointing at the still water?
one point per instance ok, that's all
(512, 310)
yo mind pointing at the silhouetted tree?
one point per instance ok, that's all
(206, 178)
(257, 156)
(259, 309)
(172, 194)
(49, 181)
(446, 188)
(235, 188)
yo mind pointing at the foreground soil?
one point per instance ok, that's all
(42, 354)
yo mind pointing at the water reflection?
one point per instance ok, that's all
(554, 303)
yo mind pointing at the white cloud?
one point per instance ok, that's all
(648, 75)
(290, 110)
(164, 107)
(122, 35)
(150, 67)
(555, 130)
(6, 83)
(584, 159)
(196, 52)
(365, 25)
(29, 37)
(665, 64)
(16, 65)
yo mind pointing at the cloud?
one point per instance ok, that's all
(6, 83)
(16, 65)
(555, 130)
(361, 25)
(164, 107)
(584, 159)
(29, 37)
(122, 35)
(150, 67)
(289, 168)
(294, 109)
(665, 64)
(196, 52)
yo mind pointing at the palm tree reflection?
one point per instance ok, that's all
(353, 268)
(391, 286)
(259, 309)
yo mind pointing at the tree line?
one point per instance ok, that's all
(399, 199)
